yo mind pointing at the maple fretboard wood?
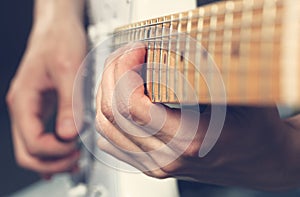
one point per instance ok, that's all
(253, 46)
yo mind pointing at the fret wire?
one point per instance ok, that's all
(187, 58)
(125, 36)
(212, 34)
(114, 41)
(132, 35)
(127, 39)
(141, 36)
(168, 64)
(201, 12)
(136, 34)
(121, 37)
(128, 36)
(172, 26)
(183, 57)
(192, 46)
(228, 22)
(159, 88)
(177, 60)
(155, 85)
(269, 11)
(244, 47)
(144, 68)
(163, 84)
(175, 72)
(212, 42)
(152, 64)
(149, 62)
(144, 31)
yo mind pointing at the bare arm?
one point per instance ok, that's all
(44, 82)
(256, 148)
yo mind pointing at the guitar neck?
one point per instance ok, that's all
(244, 52)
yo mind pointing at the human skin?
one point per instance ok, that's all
(257, 149)
(43, 84)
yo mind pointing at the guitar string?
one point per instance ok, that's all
(251, 40)
(175, 78)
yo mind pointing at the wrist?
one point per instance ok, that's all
(53, 11)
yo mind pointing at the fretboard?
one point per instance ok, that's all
(244, 51)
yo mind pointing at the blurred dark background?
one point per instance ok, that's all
(15, 24)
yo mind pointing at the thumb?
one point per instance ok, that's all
(65, 125)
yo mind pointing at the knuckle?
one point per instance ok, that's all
(103, 144)
(171, 169)
(142, 117)
(192, 150)
(65, 66)
(62, 166)
(133, 114)
(11, 94)
(102, 126)
(99, 122)
(22, 161)
(123, 109)
(132, 111)
(9, 98)
(159, 174)
(19, 160)
(32, 150)
(107, 111)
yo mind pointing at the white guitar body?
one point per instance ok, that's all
(106, 181)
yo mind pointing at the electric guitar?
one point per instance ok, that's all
(243, 52)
